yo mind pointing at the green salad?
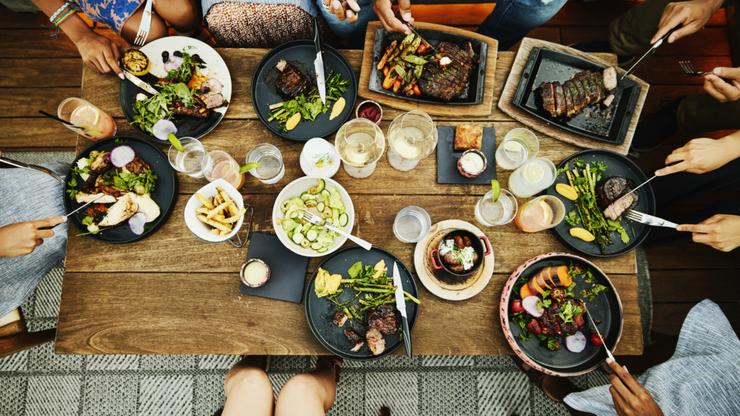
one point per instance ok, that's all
(157, 107)
(309, 105)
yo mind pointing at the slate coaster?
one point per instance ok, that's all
(288, 270)
(447, 158)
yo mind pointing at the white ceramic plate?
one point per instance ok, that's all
(203, 231)
(296, 188)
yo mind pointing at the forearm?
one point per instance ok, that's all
(73, 26)
(731, 144)
(715, 4)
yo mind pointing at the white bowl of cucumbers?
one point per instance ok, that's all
(321, 196)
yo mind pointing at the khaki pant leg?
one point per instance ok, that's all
(702, 113)
(630, 34)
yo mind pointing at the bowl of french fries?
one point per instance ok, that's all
(216, 212)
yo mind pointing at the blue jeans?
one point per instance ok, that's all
(510, 21)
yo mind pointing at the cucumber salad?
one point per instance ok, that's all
(321, 200)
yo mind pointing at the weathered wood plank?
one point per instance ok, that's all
(692, 256)
(174, 248)
(35, 43)
(207, 315)
(694, 285)
(664, 70)
(26, 102)
(35, 73)
(35, 134)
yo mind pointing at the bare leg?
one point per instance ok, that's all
(157, 30)
(310, 394)
(248, 392)
(183, 15)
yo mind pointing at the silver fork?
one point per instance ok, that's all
(688, 68)
(316, 220)
(146, 23)
(647, 219)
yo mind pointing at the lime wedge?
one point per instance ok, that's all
(175, 143)
(495, 190)
(249, 166)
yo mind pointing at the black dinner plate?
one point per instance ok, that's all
(164, 192)
(301, 53)
(319, 311)
(609, 124)
(605, 309)
(617, 165)
(476, 81)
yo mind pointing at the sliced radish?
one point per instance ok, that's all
(575, 342)
(122, 156)
(173, 63)
(531, 304)
(136, 223)
(162, 129)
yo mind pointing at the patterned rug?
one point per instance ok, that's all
(38, 382)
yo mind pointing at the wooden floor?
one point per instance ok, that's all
(37, 72)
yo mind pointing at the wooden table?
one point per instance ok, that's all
(174, 294)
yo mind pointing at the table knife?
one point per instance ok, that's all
(318, 63)
(401, 306)
(593, 324)
(649, 52)
(638, 186)
(413, 30)
(139, 83)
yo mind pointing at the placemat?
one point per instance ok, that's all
(288, 270)
(447, 157)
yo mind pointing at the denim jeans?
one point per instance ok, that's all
(510, 21)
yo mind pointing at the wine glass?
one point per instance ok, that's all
(412, 136)
(360, 144)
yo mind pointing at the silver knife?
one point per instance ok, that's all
(401, 306)
(78, 209)
(639, 186)
(139, 83)
(413, 30)
(649, 52)
(318, 63)
(593, 324)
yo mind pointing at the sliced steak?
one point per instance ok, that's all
(291, 82)
(548, 98)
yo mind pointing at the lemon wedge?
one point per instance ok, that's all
(292, 121)
(583, 234)
(337, 108)
(546, 212)
(567, 191)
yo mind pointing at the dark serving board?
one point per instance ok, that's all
(608, 124)
(164, 193)
(301, 53)
(447, 157)
(319, 311)
(474, 93)
(606, 310)
(617, 165)
(287, 269)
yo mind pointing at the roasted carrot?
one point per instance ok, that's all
(397, 84)
(389, 79)
(417, 90)
(525, 291)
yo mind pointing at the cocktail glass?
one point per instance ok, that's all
(219, 164)
(518, 146)
(89, 120)
(533, 176)
(540, 213)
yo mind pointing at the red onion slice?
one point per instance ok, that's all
(531, 304)
(576, 342)
(136, 223)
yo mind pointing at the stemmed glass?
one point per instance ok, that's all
(360, 144)
(412, 136)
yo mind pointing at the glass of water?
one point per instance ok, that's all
(490, 213)
(411, 224)
(533, 176)
(518, 146)
(271, 168)
(190, 160)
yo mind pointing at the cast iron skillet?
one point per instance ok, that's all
(605, 309)
(164, 193)
(608, 124)
(319, 311)
(301, 53)
(474, 93)
(617, 165)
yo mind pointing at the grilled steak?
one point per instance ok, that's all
(611, 196)
(447, 81)
(291, 82)
(354, 338)
(572, 96)
(383, 319)
(198, 110)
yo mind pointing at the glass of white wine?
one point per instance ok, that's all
(412, 136)
(360, 144)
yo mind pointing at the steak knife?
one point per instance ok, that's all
(318, 63)
(139, 83)
(401, 306)
(649, 52)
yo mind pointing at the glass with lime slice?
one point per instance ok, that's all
(497, 207)
(534, 176)
(189, 158)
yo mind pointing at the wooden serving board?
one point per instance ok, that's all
(506, 105)
(483, 109)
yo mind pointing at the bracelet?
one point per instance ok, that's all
(59, 11)
(64, 17)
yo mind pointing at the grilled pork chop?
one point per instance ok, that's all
(583, 89)
(447, 81)
(291, 82)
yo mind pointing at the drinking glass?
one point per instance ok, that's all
(490, 213)
(190, 160)
(532, 177)
(540, 213)
(360, 144)
(219, 164)
(90, 121)
(271, 168)
(518, 146)
(412, 136)
(412, 223)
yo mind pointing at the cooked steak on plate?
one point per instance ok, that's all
(383, 319)
(581, 90)
(447, 82)
(611, 196)
(291, 82)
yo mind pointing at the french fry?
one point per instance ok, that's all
(215, 231)
(201, 210)
(203, 200)
(215, 211)
(214, 224)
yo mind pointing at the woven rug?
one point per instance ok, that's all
(38, 382)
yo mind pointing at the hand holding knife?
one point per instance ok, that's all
(401, 307)
(649, 52)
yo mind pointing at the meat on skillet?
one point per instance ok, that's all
(383, 318)
(612, 197)
(448, 81)
(291, 82)
(581, 90)
(453, 262)
(354, 338)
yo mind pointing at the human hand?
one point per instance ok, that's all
(699, 156)
(721, 232)
(630, 397)
(384, 10)
(691, 15)
(100, 54)
(22, 238)
(343, 10)
(723, 84)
